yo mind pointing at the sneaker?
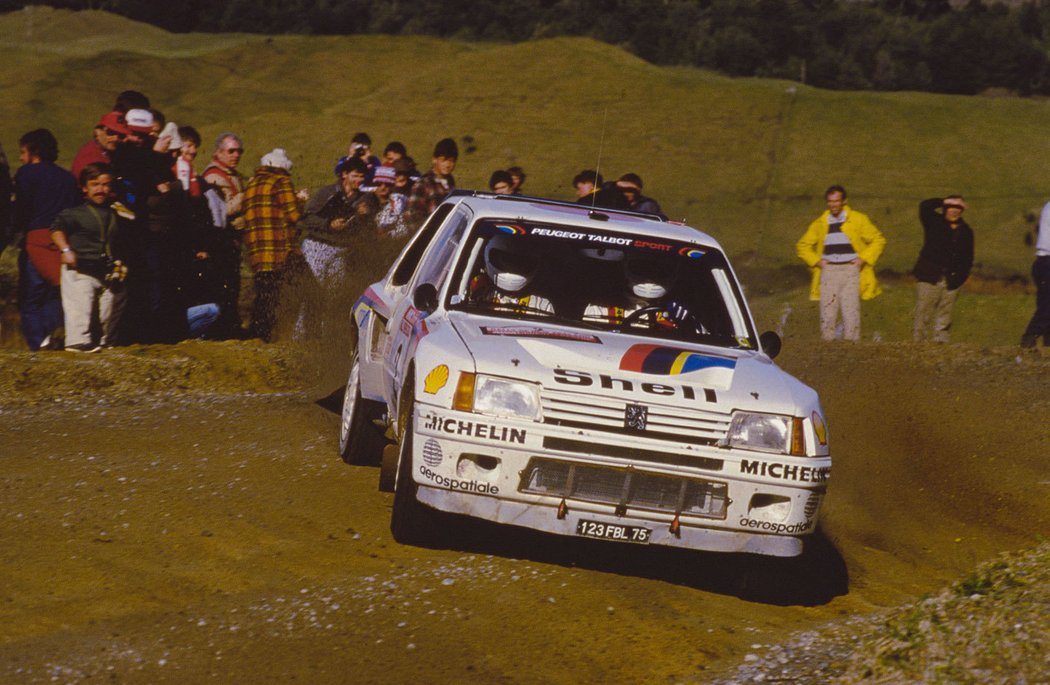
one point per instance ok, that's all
(1028, 342)
(84, 347)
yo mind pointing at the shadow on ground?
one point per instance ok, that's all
(814, 578)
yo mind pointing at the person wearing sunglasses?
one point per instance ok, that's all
(222, 173)
(109, 132)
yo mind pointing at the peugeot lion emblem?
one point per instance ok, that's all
(635, 417)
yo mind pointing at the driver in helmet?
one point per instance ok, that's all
(649, 279)
(511, 263)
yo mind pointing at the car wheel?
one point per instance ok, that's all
(408, 520)
(360, 441)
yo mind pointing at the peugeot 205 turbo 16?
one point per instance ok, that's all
(583, 372)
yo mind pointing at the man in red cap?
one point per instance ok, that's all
(109, 131)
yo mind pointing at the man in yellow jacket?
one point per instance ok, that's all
(841, 247)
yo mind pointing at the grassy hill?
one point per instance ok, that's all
(745, 159)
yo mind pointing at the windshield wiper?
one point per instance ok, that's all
(515, 308)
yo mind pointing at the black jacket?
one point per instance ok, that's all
(946, 252)
(330, 203)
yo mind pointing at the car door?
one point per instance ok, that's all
(404, 327)
(382, 298)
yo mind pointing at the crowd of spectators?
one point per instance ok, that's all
(134, 245)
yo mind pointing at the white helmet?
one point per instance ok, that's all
(649, 278)
(510, 262)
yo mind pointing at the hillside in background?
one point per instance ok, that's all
(745, 159)
(961, 47)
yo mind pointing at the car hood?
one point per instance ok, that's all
(549, 352)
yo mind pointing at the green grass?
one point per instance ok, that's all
(982, 319)
(746, 160)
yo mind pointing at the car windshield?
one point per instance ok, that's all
(631, 284)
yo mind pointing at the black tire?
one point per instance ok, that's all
(409, 519)
(360, 441)
(388, 467)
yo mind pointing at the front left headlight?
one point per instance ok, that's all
(776, 433)
(496, 396)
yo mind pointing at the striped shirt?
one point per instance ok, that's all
(837, 247)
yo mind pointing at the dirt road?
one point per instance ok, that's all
(191, 522)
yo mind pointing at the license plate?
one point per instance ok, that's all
(612, 531)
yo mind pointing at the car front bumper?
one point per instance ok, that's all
(701, 498)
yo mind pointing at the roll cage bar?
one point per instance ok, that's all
(596, 213)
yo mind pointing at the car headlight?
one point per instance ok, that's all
(775, 433)
(497, 396)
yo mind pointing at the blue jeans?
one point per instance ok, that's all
(200, 318)
(39, 303)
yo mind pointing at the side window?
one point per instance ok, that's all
(438, 262)
(415, 252)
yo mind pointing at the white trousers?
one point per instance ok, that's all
(840, 294)
(90, 306)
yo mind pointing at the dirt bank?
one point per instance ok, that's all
(181, 516)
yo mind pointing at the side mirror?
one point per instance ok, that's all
(771, 343)
(425, 298)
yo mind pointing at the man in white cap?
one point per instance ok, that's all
(271, 211)
(146, 185)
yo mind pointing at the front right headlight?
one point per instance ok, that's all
(776, 433)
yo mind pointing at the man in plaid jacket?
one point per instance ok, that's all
(271, 211)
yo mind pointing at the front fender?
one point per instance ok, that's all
(435, 359)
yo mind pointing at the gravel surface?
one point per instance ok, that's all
(179, 514)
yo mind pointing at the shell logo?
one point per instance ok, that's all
(820, 429)
(670, 361)
(436, 379)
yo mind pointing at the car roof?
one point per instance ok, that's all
(581, 216)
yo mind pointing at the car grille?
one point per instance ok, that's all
(625, 488)
(631, 453)
(608, 415)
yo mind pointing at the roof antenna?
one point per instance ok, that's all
(598, 166)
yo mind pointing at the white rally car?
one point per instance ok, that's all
(582, 372)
